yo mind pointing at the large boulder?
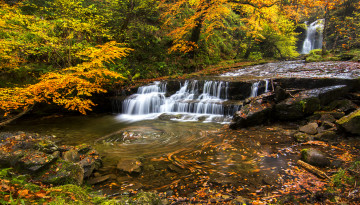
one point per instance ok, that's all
(351, 122)
(254, 113)
(307, 102)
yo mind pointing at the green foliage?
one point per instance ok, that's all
(341, 178)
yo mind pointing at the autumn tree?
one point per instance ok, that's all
(27, 40)
(192, 21)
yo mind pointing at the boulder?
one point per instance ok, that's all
(251, 114)
(63, 172)
(71, 156)
(314, 157)
(34, 161)
(129, 166)
(344, 105)
(310, 128)
(89, 164)
(351, 122)
(307, 102)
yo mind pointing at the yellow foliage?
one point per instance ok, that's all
(70, 87)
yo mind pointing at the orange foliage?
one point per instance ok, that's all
(70, 87)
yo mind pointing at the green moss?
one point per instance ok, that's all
(348, 117)
(304, 154)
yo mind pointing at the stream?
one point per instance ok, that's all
(179, 132)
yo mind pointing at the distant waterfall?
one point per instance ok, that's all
(314, 36)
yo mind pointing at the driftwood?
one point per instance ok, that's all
(16, 116)
(313, 169)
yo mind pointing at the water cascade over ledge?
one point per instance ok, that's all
(206, 101)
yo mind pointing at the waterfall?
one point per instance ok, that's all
(150, 101)
(194, 101)
(254, 89)
(266, 85)
(314, 36)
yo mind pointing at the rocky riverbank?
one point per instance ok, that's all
(44, 161)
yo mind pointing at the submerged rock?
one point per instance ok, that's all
(351, 122)
(314, 157)
(98, 180)
(129, 166)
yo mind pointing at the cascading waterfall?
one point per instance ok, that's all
(193, 101)
(314, 36)
(254, 89)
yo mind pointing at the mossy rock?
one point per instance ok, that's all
(302, 137)
(34, 161)
(314, 157)
(351, 122)
(63, 172)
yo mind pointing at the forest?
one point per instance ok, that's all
(66, 55)
(47, 46)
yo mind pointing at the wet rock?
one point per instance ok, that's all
(35, 160)
(129, 165)
(280, 94)
(314, 157)
(344, 105)
(89, 165)
(98, 180)
(251, 114)
(56, 154)
(351, 122)
(46, 146)
(302, 137)
(307, 102)
(310, 128)
(168, 117)
(326, 136)
(83, 148)
(327, 118)
(63, 172)
(335, 114)
(71, 156)
(327, 126)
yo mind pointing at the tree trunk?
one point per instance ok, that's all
(326, 22)
(16, 116)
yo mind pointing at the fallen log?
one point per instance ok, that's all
(313, 169)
